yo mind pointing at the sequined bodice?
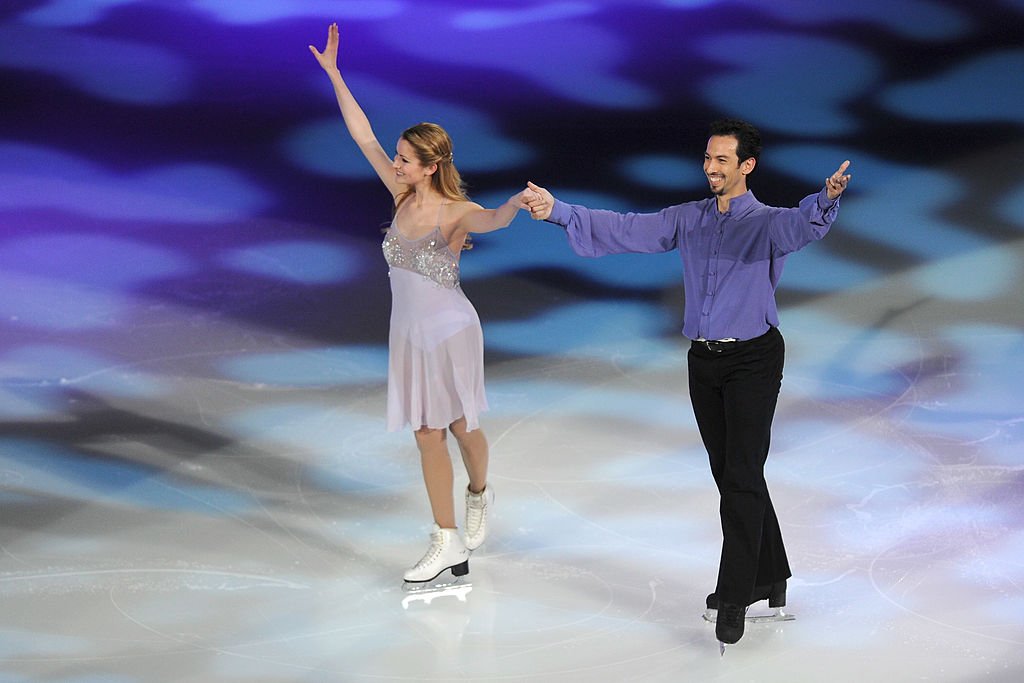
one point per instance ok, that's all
(429, 256)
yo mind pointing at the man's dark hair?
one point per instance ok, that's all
(748, 140)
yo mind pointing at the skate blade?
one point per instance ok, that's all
(777, 615)
(711, 616)
(430, 591)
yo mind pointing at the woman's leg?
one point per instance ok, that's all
(447, 550)
(475, 453)
(437, 474)
(479, 496)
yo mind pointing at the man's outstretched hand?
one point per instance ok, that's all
(836, 183)
(541, 203)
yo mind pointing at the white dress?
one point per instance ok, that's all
(436, 346)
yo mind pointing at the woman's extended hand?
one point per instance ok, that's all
(329, 57)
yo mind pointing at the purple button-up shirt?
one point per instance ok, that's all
(732, 261)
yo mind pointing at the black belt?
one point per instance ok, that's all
(717, 345)
(720, 345)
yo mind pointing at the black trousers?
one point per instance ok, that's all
(734, 390)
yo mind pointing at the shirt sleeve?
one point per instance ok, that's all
(597, 232)
(793, 229)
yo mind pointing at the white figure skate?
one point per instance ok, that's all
(446, 553)
(478, 506)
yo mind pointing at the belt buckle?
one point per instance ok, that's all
(717, 345)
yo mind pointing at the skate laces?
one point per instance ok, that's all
(432, 552)
(476, 510)
(476, 505)
(731, 615)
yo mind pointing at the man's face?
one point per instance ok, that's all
(726, 176)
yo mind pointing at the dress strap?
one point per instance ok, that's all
(440, 210)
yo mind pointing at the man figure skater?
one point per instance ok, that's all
(733, 249)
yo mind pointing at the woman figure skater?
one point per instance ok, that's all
(435, 345)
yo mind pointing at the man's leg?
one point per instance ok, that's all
(709, 410)
(752, 549)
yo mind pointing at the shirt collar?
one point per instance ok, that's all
(741, 205)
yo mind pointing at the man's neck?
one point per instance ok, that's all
(723, 201)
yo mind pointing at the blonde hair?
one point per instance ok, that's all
(432, 145)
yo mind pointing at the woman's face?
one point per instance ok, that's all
(408, 169)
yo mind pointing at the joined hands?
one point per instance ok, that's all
(538, 201)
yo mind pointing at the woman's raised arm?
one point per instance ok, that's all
(355, 120)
